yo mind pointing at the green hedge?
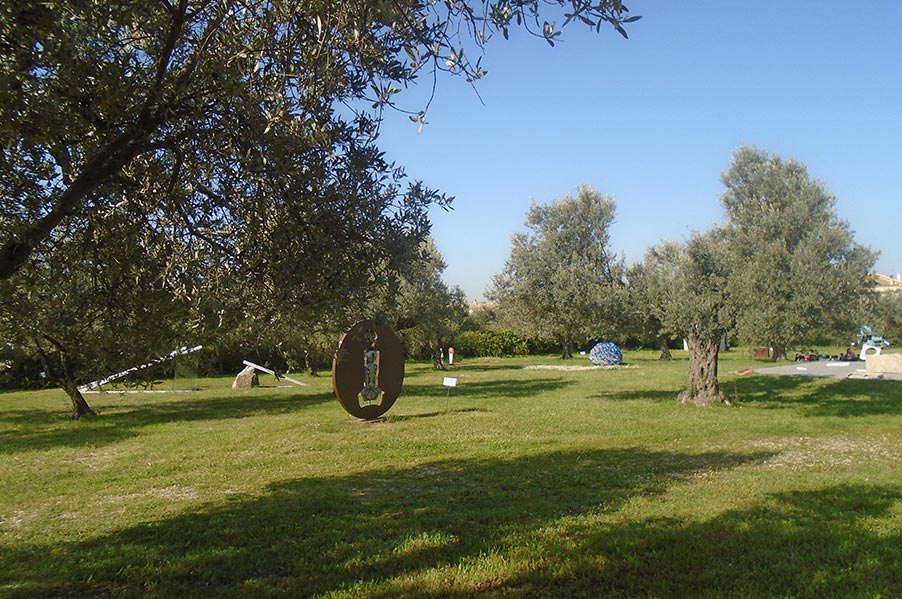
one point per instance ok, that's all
(474, 344)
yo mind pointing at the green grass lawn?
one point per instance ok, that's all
(532, 483)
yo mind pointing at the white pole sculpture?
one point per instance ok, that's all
(272, 372)
(178, 352)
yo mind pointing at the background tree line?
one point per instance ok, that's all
(782, 270)
(195, 171)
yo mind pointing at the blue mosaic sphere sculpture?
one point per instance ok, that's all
(605, 354)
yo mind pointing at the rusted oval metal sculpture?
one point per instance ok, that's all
(368, 370)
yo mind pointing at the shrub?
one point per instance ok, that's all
(480, 344)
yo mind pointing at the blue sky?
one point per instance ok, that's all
(653, 121)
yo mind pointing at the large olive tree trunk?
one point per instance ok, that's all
(703, 389)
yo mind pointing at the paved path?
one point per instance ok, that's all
(825, 368)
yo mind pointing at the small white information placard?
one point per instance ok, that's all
(449, 382)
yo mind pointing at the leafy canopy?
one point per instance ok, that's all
(796, 266)
(221, 116)
(562, 281)
(424, 310)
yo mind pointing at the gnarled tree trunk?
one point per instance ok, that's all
(665, 350)
(438, 359)
(566, 348)
(779, 352)
(80, 408)
(703, 389)
(64, 377)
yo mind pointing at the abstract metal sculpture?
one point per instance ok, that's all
(368, 370)
(869, 340)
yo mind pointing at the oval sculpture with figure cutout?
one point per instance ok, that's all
(368, 370)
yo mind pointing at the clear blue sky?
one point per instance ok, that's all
(653, 122)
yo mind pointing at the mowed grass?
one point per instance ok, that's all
(523, 483)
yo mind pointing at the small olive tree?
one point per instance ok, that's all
(425, 311)
(649, 283)
(562, 281)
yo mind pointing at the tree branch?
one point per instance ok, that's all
(16, 250)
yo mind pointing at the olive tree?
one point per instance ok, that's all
(562, 281)
(425, 311)
(101, 303)
(695, 304)
(229, 113)
(649, 282)
(884, 312)
(795, 265)
(782, 267)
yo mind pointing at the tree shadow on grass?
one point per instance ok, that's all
(816, 397)
(656, 395)
(507, 388)
(819, 396)
(435, 414)
(379, 530)
(799, 544)
(476, 367)
(35, 431)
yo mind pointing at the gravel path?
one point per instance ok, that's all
(827, 368)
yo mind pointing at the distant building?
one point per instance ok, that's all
(886, 283)
(476, 305)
